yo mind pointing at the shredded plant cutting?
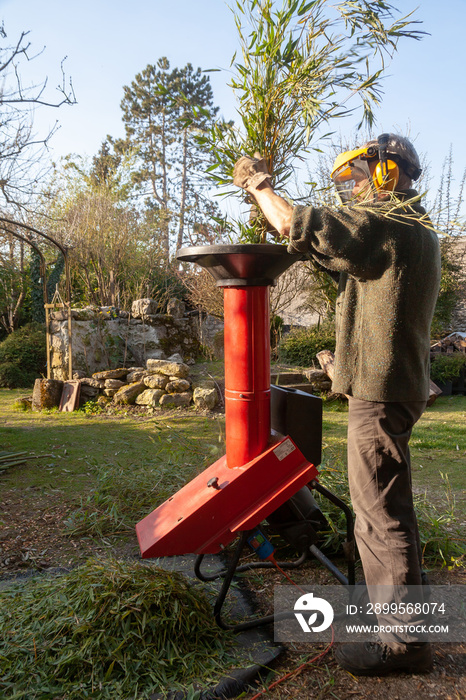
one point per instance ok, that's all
(107, 630)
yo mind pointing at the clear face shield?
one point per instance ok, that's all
(353, 181)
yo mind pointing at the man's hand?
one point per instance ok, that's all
(249, 173)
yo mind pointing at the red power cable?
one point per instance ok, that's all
(306, 663)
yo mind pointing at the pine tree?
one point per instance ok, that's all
(163, 111)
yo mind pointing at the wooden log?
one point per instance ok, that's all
(327, 362)
(434, 391)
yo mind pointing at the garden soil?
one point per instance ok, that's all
(32, 540)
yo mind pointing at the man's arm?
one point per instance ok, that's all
(252, 175)
(276, 210)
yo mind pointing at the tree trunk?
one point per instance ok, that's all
(183, 189)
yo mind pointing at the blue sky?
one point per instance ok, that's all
(108, 42)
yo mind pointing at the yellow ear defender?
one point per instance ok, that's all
(386, 173)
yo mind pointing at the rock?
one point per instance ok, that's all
(111, 374)
(136, 375)
(205, 398)
(129, 393)
(171, 369)
(156, 381)
(150, 397)
(176, 357)
(109, 393)
(136, 369)
(205, 384)
(176, 400)
(88, 392)
(177, 386)
(90, 381)
(59, 315)
(114, 383)
(46, 393)
(144, 307)
(79, 374)
(103, 400)
(175, 308)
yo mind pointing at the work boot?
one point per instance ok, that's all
(379, 659)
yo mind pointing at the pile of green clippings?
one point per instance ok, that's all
(107, 630)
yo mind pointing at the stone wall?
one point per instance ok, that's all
(105, 338)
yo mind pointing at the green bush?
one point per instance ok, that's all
(23, 356)
(300, 345)
(446, 368)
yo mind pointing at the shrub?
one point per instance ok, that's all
(300, 345)
(23, 356)
(445, 368)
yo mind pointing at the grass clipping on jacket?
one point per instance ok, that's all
(107, 630)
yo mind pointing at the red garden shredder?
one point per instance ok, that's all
(273, 443)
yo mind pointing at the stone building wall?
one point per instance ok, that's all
(106, 338)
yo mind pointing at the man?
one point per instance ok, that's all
(387, 261)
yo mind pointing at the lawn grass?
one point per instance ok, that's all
(74, 443)
(112, 469)
(115, 469)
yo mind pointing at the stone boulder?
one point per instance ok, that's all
(114, 384)
(205, 397)
(177, 386)
(136, 375)
(150, 397)
(156, 381)
(96, 383)
(144, 307)
(176, 357)
(129, 393)
(176, 400)
(46, 394)
(171, 369)
(87, 393)
(175, 308)
(111, 374)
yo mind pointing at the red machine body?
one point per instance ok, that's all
(258, 473)
(201, 519)
(247, 373)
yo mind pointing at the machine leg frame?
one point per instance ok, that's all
(228, 573)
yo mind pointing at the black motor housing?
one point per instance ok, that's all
(299, 520)
(299, 415)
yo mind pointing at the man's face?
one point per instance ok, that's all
(362, 188)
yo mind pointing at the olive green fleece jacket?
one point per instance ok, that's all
(389, 276)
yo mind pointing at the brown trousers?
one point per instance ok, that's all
(379, 474)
